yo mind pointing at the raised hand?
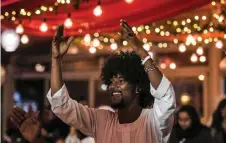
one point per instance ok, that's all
(60, 45)
(129, 35)
(27, 123)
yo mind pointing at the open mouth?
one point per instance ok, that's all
(117, 93)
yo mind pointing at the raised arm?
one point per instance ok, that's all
(161, 88)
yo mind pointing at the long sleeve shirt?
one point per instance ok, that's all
(153, 125)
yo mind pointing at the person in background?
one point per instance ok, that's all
(188, 128)
(219, 123)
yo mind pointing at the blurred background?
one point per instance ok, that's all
(186, 38)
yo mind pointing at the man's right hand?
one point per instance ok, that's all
(27, 123)
(60, 45)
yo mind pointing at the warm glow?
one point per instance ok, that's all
(157, 30)
(224, 36)
(96, 35)
(39, 68)
(211, 29)
(201, 77)
(175, 23)
(24, 39)
(43, 27)
(204, 17)
(68, 23)
(129, 1)
(175, 41)
(182, 48)
(190, 40)
(104, 87)
(183, 22)
(145, 40)
(10, 40)
(162, 33)
(96, 42)
(124, 43)
(194, 58)
(97, 11)
(87, 38)
(19, 29)
(199, 39)
(164, 45)
(50, 9)
(92, 50)
(172, 66)
(202, 59)
(221, 18)
(37, 11)
(73, 50)
(146, 47)
(188, 20)
(148, 31)
(196, 17)
(160, 45)
(185, 98)
(219, 44)
(167, 33)
(213, 3)
(114, 46)
(199, 51)
(162, 65)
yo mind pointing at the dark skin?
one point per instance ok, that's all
(60, 46)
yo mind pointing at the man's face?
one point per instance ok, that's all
(121, 91)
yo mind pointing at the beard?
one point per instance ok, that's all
(119, 105)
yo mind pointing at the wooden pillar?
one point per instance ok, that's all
(91, 97)
(8, 91)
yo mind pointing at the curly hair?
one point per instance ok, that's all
(128, 64)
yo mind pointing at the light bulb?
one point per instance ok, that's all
(199, 51)
(182, 48)
(97, 11)
(10, 40)
(19, 29)
(87, 38)
(162, 65)
(201, 77)
(104, 87)
(114, 46)
(202, 59)
(219, 44)
(92, 50)
(129, 1)
(172, 66)
(39, 68)
(68, 23)
(194, 58)
(24, 39)
(190, 40)
(43, 27)
(96, 42)
(185, 99)
(146, 46)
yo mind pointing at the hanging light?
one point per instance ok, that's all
(190, 40)
(146, 46)
(202, 59)
(199, 51)
(96, 42)
(97, 10)
(129, 1)
(43, 27)
(87, 38)
(10, 40)
(201, 77)
(92, 50)
(172, 65)
(114, 46)
(194, 58)
(219, 44)
(68, 22)
(162, 65)
(19, 28)
(39, 68)
(182, 48)
(185, 98)
(24, 39)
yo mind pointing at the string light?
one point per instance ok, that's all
(213, 3)
(202, 59)
(172, 65)
(204, 17)
(146, 47)
(129, 1)
(219, 44)
(164, 45)
(201, 77)
(96, 42)
(224, 36)
(39, 68)
(37, 11)
(162, 65)
(145, 40)
(185, 98)
(44, 27)
(19, 29)
(87, 38)
(114, 46)
(199, 51)
(68, 22)
(199, 39)
(182, 48)
(196, 17)
(92, 50)
(194, 58)
(24, 39)
(157, 30)
(175, 41)
(124, 43)
(97, 11)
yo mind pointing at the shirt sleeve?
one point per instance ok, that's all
(73, 113)
(164, 107)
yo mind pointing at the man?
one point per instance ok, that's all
(132, 77)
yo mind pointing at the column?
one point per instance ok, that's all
(8, 91)
(91, 97)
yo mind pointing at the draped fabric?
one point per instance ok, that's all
(138, 12)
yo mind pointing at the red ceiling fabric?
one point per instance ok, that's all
(138, 12)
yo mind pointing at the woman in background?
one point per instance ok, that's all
(188, 128)
(219, 123)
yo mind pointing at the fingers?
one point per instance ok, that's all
(59, 31)
(70, 40)
(15, 122)
(126, 26)
(18, 114)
